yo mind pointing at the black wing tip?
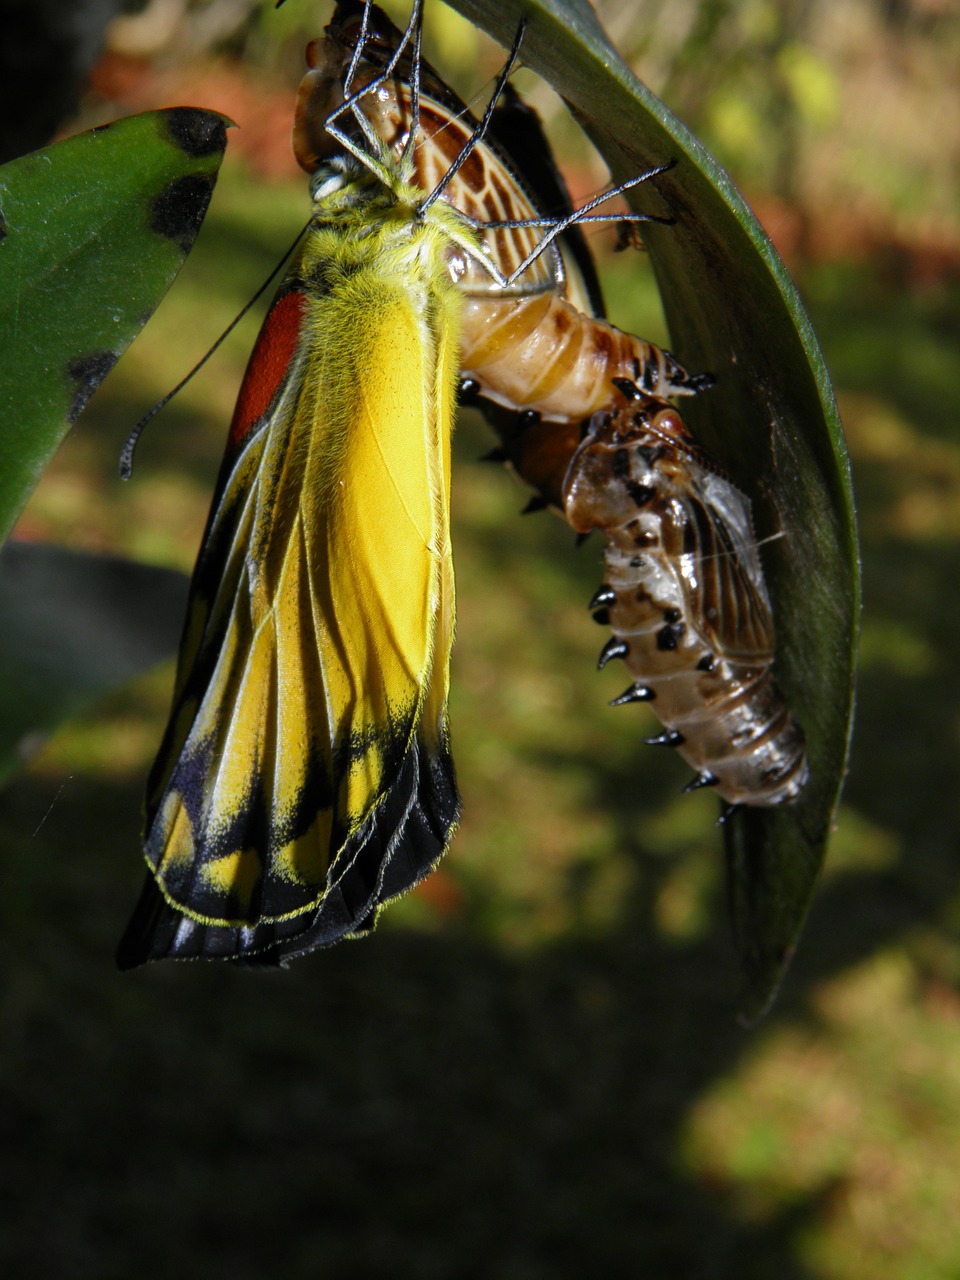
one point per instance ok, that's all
(157, 931)
(398, 846)
(146, 925)
(401, 843)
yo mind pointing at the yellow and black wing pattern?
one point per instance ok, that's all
(305, 776)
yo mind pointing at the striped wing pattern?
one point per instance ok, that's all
(305, 777)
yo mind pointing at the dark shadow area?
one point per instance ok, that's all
(411, 1105)
(430, 1104)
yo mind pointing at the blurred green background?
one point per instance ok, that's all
(533, 1068)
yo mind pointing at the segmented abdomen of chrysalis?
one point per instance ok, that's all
(544, 355)
(685, 597)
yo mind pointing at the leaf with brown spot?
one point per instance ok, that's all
(96, 229)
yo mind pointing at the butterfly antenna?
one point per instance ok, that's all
(126, 453)
(412, 28)
(411, 142)
(352, 99)
(357, 50)
(478, 133)
(582, 215)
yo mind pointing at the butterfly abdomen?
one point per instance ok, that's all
(542, 353)
(684, 595)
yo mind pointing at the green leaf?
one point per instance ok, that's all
(93, 231)
(74, 626)
(771, 420)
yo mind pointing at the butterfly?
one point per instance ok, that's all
(305, 776)
(685, 596)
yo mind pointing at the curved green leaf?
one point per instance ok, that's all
(772, 421)
(75, 625)
(92, 233)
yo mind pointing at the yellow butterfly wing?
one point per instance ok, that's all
(305, 777)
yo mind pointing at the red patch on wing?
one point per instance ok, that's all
(268, 365)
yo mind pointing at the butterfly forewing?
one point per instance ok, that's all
(305, 776)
